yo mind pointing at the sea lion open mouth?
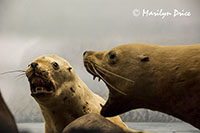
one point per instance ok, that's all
(40, 86)
(100, 72)
(39, 80)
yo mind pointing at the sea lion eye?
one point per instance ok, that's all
(112, 55)
(55, 65)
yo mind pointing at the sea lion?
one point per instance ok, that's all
(93, 123)
(156, 77)
(61, 94)
(7, 121)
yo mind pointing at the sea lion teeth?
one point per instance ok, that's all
(39, 89)
(62, 95)
(32, 89)
(34, 92)
(161, 78)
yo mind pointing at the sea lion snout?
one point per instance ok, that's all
(86, 56)
(88, 53)
(85, 53)
(89, 56)
(34, 65)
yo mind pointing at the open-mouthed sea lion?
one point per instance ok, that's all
(61, 94)
(162, 78)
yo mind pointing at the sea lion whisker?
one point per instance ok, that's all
(107, 81)
(8, 72)
(114, 74)
(20, 75)
(90, 69)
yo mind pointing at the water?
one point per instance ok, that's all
(31, 127)
(155, 127)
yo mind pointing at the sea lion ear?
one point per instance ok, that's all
(70, 68)
(143, 58)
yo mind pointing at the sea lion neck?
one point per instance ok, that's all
(60, 115)
(57, 118)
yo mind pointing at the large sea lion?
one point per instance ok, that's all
(162, 78)
(61, 94)
(7, 121)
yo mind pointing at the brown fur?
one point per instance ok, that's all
(70, 99)
(162, 78)
(7, 121)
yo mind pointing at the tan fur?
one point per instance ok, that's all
(162, 78)
(71, 97)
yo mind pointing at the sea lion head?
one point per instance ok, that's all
(120, 69)
(49, 76)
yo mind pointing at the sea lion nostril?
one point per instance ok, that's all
(85, 53)
(34, 65)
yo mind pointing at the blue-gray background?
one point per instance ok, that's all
(30, 28)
